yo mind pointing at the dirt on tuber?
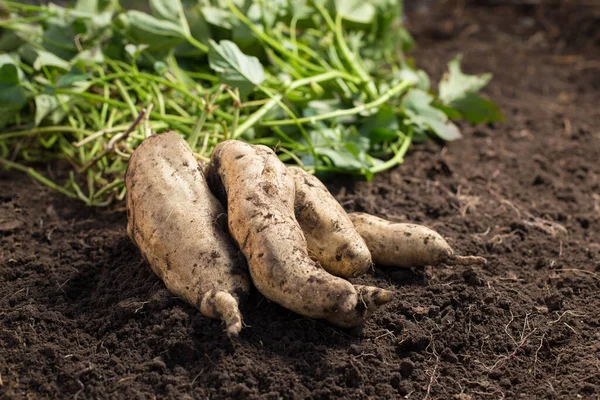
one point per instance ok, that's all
(406, 245)
(259, 193)
(181, 229)
(331, 237)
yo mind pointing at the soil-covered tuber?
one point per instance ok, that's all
(259, 193)
(181, 229)
(406, 245)
(331, 237)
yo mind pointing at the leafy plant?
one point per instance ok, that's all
(327, 83)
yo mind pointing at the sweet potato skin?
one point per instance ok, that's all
(330, 235)
(400, 244)
(181, 228)
(260, 201)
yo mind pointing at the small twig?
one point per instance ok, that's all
(113, 142)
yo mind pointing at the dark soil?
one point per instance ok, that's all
(82, 315)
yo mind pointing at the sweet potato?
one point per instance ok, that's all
(330, 234)
(406, 245)
(259, 193)
(181, 229)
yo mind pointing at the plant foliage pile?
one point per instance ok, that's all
(325, 82)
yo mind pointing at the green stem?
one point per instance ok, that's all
(37, 176)
(354, 62)
(25, 7)
(7, 23)
(43, 130)
(276, 99)
(110, 186)
(126, 97)
(269, 40)
(342, 113)
(256, 116)
(200, 46)
(398, 158)
(173, 120)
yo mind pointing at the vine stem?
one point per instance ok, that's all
(342, 113)
(276, 99)
(38, 177)
(398, 158)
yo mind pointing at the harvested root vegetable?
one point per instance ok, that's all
(406, 245)
(181, 229)
(331, 237)
(259, 193)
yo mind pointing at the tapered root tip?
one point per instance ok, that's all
(468, 260)
(370, 298)
(383, 297)
(234, 327)
(374, 296)
(222, 305)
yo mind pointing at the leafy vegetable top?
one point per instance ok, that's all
(327, 83)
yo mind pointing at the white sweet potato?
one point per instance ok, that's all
(406, 245)
(331, 237)
(181, 229)
(259, 193)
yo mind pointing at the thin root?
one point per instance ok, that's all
(468, 260)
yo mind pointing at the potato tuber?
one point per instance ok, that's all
(259, 193)
(406, 245)
(331, 237)
(181, 229)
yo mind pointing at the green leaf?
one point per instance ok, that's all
(93, 55)
(44, 105)
(218, 17)
(234, 67)
(11, 91)
(166, 9)
(450, 112)
(417, 107)
(41, 58)
(11, 39)
(458, 91)
(13, 59)
(404, 39)
(345, 147)
(12, 94)
(87, 6)
(143, 28)
(318, 107)
(171, 10)
(416, 76)
(59, 39)
(380, 127)
(71, 77)
(341, 158)
(456, 85)
(478, 110)
(360, 11)
(199, 29)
